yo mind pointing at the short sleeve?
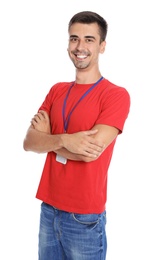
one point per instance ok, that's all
(115, 108)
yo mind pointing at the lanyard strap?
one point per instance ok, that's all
(66, 121)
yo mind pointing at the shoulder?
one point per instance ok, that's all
(61, 85)
(115, 91)
(115, 88)
(59, 88)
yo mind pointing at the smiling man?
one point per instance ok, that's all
(77, 125)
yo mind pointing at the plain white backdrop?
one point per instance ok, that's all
(33, 56)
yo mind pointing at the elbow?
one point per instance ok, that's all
(25, 145)
(88, 159)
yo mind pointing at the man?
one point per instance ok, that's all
(77, 126)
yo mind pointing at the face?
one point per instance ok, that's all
(84, 45)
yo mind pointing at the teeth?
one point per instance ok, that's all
(81, 56)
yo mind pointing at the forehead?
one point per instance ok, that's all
(81, 30)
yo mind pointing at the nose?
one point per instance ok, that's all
(81, 45)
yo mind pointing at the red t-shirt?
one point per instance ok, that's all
(78, 186)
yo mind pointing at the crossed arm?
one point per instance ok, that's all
(83, 146)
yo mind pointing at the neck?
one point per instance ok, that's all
(83, 77)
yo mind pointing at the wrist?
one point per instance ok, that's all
(63, 139)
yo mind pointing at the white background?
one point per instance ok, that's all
(33, 56)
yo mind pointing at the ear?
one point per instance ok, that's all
(102, 46)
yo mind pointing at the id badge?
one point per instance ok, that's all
(61, 159)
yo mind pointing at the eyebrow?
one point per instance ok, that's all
(86, 37)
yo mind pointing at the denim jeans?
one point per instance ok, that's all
(70, 236)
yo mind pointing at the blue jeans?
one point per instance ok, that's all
(70, 236)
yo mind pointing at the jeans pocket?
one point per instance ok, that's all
(86, 219)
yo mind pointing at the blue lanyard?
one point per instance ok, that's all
(66, 121)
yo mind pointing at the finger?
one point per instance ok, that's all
(43, 113)
(35, 118)
(95, 149)
(38, 117)
(93, 152)
(90, 154)
(33, 121)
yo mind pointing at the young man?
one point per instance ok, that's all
(77, 126)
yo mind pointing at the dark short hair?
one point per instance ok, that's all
(88, 17)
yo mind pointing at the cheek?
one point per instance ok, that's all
(69, 53)
(69, 49)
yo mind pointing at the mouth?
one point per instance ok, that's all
(80, 56)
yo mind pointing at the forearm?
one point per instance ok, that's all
(73, 156)
(68, 155)
(41, 142)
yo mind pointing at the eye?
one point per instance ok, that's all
(89, 40)
(73, 39)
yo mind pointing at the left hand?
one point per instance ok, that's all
(41, 122)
